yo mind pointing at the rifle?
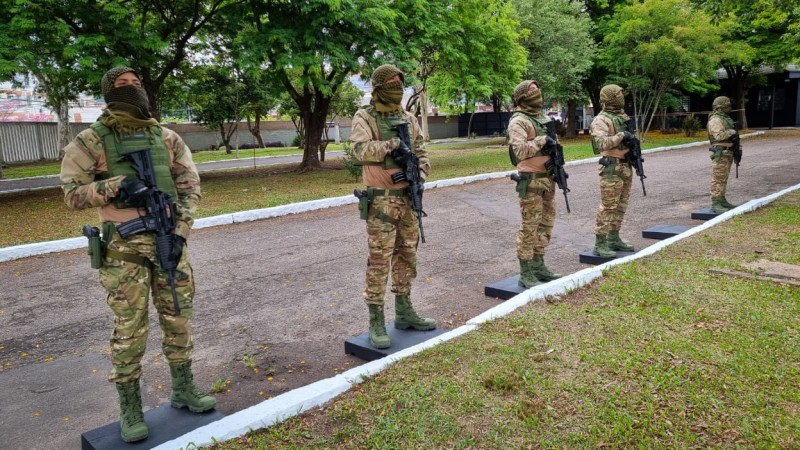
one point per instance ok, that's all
(415, 183)
(635, 152)
(556, 162)
(160, 217)
(736, 148)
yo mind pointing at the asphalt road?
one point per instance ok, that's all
(285, 293)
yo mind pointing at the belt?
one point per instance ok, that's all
(387, 192)
(535, 175)
(618, 160)
(131, 258)
(722, 147)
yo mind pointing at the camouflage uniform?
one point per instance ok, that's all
(607, 130)
(128, 284)
(392, 227)
(720, 131)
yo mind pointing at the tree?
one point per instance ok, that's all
(345, 103)
(757, 33)
(489, 60)
(216, 97)
(312, 61)
(559, 60)
(657, 45)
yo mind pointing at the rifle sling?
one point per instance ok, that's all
(128, 257)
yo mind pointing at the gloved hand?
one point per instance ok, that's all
(628, 138)
(401, 154)
(549, 146)
(735, 139)
(133, 191)
(177, 248)
(397, 177)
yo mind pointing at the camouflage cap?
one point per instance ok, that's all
(107, 83)
(522, 89)
(609, 93)
(383, 73)
(721, 102)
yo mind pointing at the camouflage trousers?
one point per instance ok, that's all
(392, 238)
(538, 209)
(129, 286)
(720, 171)
(615, 190)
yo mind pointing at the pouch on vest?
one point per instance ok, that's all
(595, 149)
(512, 156)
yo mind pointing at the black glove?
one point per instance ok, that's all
(397, 177)
(628, 138)
(401, 154)
(177, 248)
(133, 191)
(549, 146)
(735, 139)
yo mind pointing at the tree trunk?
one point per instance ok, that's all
(255, 129)
(225, 138)
(497, 102)
(738, 77)
(570, 122)
(469, 125)
(423, 102)
(64, 132)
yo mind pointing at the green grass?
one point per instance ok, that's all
(657, 354)
(47, 218)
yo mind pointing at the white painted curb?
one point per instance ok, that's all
(284, 406)
(39, 248)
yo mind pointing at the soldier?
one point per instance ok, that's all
(723, 136)
(531, 148)
(612, 140)
(392, 228)
(94, 175)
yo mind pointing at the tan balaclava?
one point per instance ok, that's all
(131, 100)
(527, 101)
(722, 105)
(612, 100)
(387, 95)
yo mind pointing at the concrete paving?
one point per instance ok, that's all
(282, 295)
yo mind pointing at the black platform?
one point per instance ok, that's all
(401, 339)
(504, 289)
(588, 257)
(664, 231)
(165, 424)
(704, 214)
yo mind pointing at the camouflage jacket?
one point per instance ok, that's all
(85, 159)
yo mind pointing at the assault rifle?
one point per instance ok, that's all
(635, 152)
(556, 162)
(736, 148)
(160, 217)
(415, 183)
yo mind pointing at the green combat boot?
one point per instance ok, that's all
(718, 206)
(185, 393)
(405, 317)
(541, 271)
(527, 278)
(727, 204)
(377, 327)
(131, 418)
(601, 247)
(615, 243)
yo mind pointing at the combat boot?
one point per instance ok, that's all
(717, 205)
(405, 317)
(541, 271)
(527, 278)
(615, 243)
(601, 247)
(185, 393)
(377, 327)
(727, 204)
(131, 418)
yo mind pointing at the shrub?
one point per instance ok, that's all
(691, 125)
(350, 162)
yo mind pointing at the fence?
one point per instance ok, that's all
(22, 142)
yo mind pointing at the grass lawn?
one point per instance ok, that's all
(658, 353)
(42, 216)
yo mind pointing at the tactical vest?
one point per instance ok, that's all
(538, 125)
(116, 149)
(386, 131)
(726, 120)
(619, 126)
